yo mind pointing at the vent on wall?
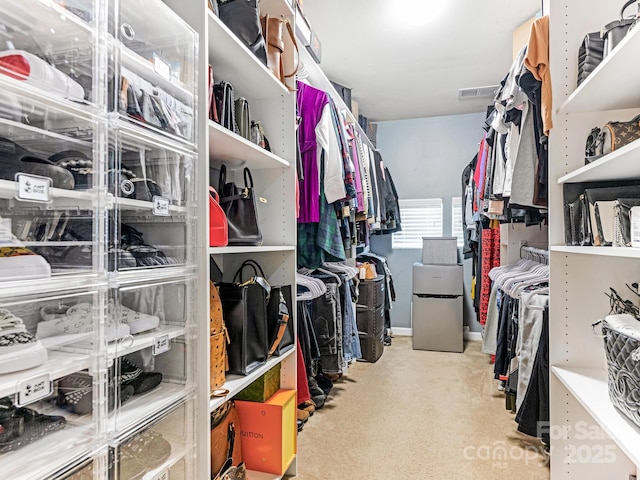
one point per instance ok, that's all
(477, 92)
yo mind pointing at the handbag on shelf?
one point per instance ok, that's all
(241, 209)
(211, 101)
(257, 135)
(273, 29)
(280, 323)
(218, 339)
(226, 448)
(218, 226)
(243, 117)
(621, 334)
(590, 55)
(623, 214)
(243, 19)
(225, 105)
(244, 307)
(213, 6)
(615, 31)
(611, 137)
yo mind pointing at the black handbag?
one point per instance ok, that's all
(240, 207)
(590, 54)
(243, 19)
(225, 105)
(614, 32)
(244, 307)
(279, 321)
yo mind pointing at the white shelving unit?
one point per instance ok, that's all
(580, 276)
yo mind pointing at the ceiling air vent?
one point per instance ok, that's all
(477, 92)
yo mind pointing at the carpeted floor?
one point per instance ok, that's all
(418, 415)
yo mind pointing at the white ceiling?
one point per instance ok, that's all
(398, 70)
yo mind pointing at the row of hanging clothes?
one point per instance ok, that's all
(506, 181)
(327, 329)
(344, 190)
(517, 333)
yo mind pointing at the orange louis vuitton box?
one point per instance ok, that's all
(269, 444)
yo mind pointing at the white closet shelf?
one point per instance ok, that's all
(137, 135)
(141, 205)
(231, 61)
(58, 365)
(145, 68)
(49, 454)
(153, 274)
(141, 409)
(251, 249)
(318, 79)
(236, 383)
(74, 282)
(606, 88)
(589, 386)
(625, 252)
(254, 475)
(60, 196)
(621, 164)
(235, 151)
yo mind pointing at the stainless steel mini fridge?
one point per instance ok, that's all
(436, 307)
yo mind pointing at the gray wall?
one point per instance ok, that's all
(426, 158)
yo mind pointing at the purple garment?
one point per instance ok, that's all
(356, 165)
(311, 102)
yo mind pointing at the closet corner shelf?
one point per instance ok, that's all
(251, 249)
(235, 151)
(607, 88)
(589, 387)
(233, 62)
(624, 252)
(618, 165)
(235, 383)
(59, 364)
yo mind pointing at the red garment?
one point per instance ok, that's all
(490, 259)
(303, 381)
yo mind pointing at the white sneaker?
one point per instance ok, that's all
(62, 319)
(19, 350)
(137, 321)
(16, 261)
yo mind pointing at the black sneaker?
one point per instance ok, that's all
(140, 380)
(75, 393)
(21, 426)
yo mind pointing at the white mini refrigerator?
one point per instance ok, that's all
(436, 307)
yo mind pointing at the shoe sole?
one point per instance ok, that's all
(23, 359)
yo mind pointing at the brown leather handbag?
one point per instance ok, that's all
(272, 30)
(218, 339)
(226, 450)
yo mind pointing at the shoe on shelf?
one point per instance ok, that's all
(319, 400)
(138, 322)
(19, 349)
(75, 393)
(140, 380)
(21, 426)
(15, 159)
(141, 454)
(303, 415)
(16, 261)
(62, 319)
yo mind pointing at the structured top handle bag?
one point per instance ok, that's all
(241, 208)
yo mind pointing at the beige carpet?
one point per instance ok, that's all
(418, 415)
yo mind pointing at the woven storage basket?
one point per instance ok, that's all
(622, 346)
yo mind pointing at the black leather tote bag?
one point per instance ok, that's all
(243, 19)
(241, 208)
(244, 307)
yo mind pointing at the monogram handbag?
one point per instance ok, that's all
(241, 209)
(226, 449)
(218, 339)
(243, 19)
(244, 307)
(218, 225)
(611, 137)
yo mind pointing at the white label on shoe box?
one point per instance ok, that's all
(161, 206)
(34, 388)
(162, 68)
(161, 344)
(33, 188)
